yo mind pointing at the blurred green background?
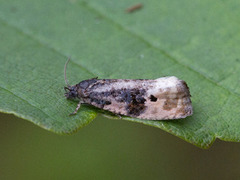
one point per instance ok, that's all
(109, 149)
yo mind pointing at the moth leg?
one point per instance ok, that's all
(77, 108)
(119, 116)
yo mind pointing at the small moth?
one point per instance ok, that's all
(160, 99)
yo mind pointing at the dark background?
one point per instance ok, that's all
(109, 149)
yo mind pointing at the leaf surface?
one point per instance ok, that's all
(196, 41)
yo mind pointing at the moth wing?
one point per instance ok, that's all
(160, 99)
(168, 99)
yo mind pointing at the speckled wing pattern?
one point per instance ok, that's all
(160, 99)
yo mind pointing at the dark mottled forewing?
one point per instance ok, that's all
(145, 99)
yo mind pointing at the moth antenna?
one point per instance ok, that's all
(65, 75)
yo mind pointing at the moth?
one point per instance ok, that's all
(164, 98)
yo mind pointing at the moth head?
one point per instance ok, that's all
(71, 92)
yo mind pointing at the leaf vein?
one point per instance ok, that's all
(168, 55)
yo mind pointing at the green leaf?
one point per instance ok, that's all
(197, 41)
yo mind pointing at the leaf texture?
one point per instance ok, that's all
(195, 41)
